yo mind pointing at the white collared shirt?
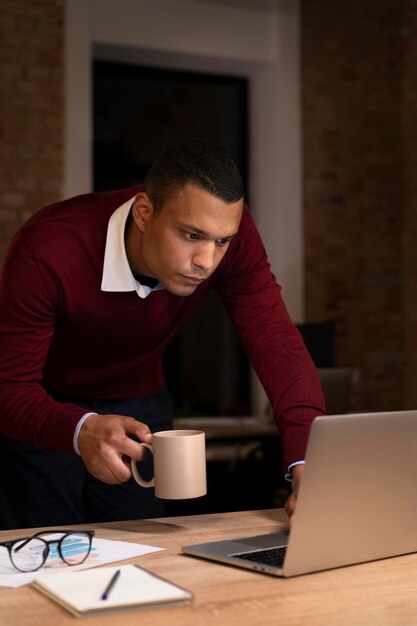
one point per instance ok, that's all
(117, 275)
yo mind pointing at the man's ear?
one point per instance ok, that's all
(142, 210)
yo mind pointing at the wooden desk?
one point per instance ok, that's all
(381, 592)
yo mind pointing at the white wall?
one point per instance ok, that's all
(258, 39)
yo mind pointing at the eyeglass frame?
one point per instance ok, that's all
(65, 533)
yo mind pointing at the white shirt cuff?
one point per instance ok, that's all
(288, 475)
(77, 431)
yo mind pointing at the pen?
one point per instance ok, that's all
(110, 586)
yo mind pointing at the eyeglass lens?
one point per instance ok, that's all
(75, 548)
(28, 556)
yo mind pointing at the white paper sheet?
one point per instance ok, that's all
(102, 551)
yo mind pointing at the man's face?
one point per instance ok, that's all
(185, 241)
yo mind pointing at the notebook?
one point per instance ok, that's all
(356, 501)
(81, 592)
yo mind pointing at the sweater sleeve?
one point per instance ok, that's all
(29, 308)
(275, 348)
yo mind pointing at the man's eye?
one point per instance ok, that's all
(222, 242)
(193, 236)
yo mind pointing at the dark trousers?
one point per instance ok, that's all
(53, 488)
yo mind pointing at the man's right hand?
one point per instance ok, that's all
(104, 443)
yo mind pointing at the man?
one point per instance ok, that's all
(92, 291)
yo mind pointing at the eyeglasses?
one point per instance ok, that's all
(30, 553)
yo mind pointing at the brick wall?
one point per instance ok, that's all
(353, 66)
(31, 110)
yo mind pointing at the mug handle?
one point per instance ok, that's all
(135, 471)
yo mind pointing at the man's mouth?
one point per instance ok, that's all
(192, 280)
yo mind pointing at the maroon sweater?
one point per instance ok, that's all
(60, 334)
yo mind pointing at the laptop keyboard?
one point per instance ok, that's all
(271, 556)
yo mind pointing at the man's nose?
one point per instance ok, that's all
(204, 257)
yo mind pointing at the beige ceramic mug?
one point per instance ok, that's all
(179, 464)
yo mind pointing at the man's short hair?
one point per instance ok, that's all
(193, 161)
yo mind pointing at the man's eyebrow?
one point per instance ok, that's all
(194, 229)
(199, 231)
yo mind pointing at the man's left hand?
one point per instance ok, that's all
(290, 504)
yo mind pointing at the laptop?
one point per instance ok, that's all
(357, 500)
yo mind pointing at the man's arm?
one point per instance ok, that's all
(274, 346)
(30, 301)
(30, 306)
